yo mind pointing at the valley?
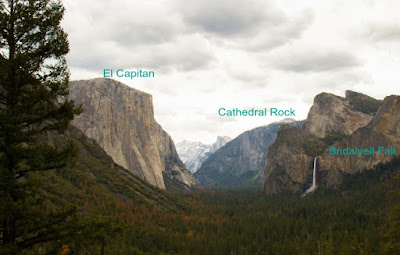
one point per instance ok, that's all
(204, 127)
(230, 212)
(274, 189)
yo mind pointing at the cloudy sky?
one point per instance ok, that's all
(209, 54)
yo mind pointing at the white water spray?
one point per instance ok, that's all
(314, 181)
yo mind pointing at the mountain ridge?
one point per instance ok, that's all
(356, 120)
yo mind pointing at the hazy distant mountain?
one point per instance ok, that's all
(241, 162)
(193, 154)
(221, 141)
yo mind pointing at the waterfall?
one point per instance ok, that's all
(314, 181)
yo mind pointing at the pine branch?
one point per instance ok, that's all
(43, 236)
(5, 8)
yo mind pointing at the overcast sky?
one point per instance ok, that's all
(209, 54)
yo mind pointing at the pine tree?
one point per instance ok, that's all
(392, 230)
(33, 104)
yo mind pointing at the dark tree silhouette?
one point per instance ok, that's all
(33, 104)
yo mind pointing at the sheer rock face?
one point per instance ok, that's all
(383, 130)
(287, 164)
(121, 120)
(331, 113)
(355, 121)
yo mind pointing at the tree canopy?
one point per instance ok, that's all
(34, 104)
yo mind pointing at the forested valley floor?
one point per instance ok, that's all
(360, 217)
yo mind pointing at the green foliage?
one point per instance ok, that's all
(392, 230)
(317, 146)
(392, 245)
(349, 220)
(365, 104)
(314, 148)
(356, 218)
(33, 102)
(331, 138)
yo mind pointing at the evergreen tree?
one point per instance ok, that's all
(34, 105)
(392, 232)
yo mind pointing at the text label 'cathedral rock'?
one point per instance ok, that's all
(256, 112)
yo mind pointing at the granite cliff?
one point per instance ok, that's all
(334, 114)
(288, 162)
(354, 121)
(383, 130)
(241, 162)
(121, 120)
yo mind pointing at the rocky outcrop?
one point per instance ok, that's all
(241, 162)
(121, 120)
(355, 121)
(193, 154)
(383, 130)
(288, 163)
(334, 114)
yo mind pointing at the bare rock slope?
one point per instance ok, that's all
(121, 120)
(331, 113)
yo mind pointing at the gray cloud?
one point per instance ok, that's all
(382, 32)
(148, 32)
(248, 25)
(252, 79)
(278, 35)
(180, 37)
(185, 53)
(258, 80)
(125, 23)
(228, 17)
(149, 35)
(314, 60)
